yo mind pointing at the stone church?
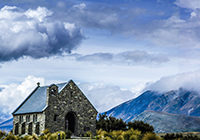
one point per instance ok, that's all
(56, 107)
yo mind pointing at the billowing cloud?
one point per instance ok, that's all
(35, 33)
(126, 58)
(104, 97)
(13, 94)
(188, 81)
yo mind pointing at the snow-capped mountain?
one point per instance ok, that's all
(180, 102)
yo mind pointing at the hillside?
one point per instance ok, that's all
(181, 102)
(130, 109)
(170, 123)
(176, 102)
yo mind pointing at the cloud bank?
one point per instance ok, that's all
(13, 94)
(189, 81)
(126, 58)
(34, 33)
(105, 97)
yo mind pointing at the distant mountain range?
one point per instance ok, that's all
(6, 125)
(180, 102)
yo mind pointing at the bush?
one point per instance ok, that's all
(11, 137)
(120, 137)
(68, 134)
(2, 133)
(88, 134)
(53, 136)
(62, 134)
(110, 123)
(151, 136)
(141, 126)
(133, 137)
(46, 131)
(33, 137)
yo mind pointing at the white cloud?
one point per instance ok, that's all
(35, 33)
(40, 13)
(189, 81)
(13, 94)
(135, 57)
(191, 4)
(104, 97)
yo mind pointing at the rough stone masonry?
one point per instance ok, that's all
(56, 107)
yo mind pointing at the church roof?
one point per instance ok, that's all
(36, 101)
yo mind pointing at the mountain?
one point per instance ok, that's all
(180, 102)
(7, 125)
(169, 123)
(130, 109)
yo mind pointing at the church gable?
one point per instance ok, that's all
(70, 106)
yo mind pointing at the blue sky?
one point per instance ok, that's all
(113, 50)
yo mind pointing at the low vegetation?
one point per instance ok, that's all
(45, 136)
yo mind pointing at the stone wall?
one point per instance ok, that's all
(24, 125)
(67, 106)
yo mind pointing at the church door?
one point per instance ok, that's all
(70, 121)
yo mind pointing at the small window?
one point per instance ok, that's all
(21, 119)
(55, 117)
(35, 118)
(27, 118)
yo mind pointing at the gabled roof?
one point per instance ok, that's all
(36, 101)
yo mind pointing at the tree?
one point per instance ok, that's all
(111, 123)
(141, 126)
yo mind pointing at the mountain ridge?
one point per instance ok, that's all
(178, 102)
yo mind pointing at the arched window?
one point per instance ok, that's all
(16, 129)
(23, 128)
(35, 118)
(37, 128)
(30, 128)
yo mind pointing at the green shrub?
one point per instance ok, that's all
(133, 137)
(151, 136)
(68, 134)
(120, 137)
(141, 126)
(27, 137)
(46, 131)
(11, 137)
(62, 134)
(34, 137)
(127, 135)
(116, 134)
(42, 137)
(2, 133)
(88, 134)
